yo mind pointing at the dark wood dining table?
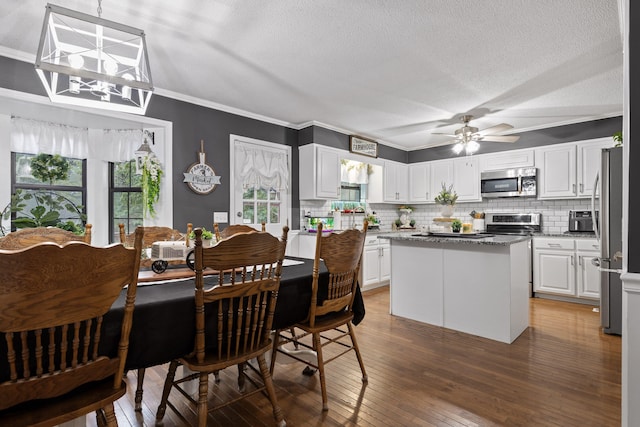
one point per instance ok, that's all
(164, 320)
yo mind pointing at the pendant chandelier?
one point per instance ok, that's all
(89, 61)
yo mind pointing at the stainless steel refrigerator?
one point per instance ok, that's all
(609, 233)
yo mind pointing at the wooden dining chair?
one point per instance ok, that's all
(152, 234)
(330, 316)
(26, 237)
(52, 301)
(243, 301)
(232, 229)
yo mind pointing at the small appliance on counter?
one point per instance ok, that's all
(581, 221)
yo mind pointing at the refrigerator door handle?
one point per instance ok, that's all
(596, 219)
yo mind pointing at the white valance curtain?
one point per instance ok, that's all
(118, 145)
(259, 167)
(34, 137)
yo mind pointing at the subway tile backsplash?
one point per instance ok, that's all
(555, 213)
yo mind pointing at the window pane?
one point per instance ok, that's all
(48, 208)
(261, 194)
(247, 213)
(248, 194)
(274, 214)
(45, 169)
(262, 212)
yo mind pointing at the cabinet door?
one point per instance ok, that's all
(319, 172)
(507, 160)
(588, 277)
(466, 179)
(327, 173)
(589, 164)
(370, 265)
(395, 184)
(419, 183)
(556, 172)
(385, 261)
(441, 174)
(554, 272)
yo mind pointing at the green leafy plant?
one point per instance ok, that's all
(617, 138)
(151, 177)
(456, 225)
(45, 211)
(446, 196)
(206, 234)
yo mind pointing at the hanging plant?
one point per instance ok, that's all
(151, 175)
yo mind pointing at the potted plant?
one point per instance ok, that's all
(207, 237)
(456, 225)
(447, 198)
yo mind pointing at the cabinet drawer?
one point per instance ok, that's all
(587, 245)
(544, 243)
(371, 241)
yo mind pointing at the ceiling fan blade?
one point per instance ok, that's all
(446, 134)
(500, 138)
(496, 129)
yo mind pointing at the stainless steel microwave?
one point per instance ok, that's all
(520, 182)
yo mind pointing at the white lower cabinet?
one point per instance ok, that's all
(562, 266)
(375, 270)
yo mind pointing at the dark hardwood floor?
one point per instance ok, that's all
(562, 371)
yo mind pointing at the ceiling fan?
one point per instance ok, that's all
(467, 137)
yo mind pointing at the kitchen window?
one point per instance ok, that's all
(125, 198)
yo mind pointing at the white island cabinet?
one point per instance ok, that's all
(479, 286)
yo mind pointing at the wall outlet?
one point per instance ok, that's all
(221, 217)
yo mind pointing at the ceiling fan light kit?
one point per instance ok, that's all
(467, 137)
(89, 61)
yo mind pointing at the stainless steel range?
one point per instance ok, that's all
(513, 223)
(516, 223)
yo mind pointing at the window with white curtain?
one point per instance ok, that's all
(261, 181)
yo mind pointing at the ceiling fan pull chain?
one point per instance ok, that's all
(99, 8)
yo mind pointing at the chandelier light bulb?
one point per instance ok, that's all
(458, 148)
(75, 60)
(110, 66)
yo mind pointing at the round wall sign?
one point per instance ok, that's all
(200, 177)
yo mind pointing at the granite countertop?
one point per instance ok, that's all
(497, 239)
(569, 234)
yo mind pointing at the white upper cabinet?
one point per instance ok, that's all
(466, 179)
(507, 160)
(420, 183)
(396, 182)
(319, 172)
(569, 170)
(589, 154)
(556, 171)
(441, 174)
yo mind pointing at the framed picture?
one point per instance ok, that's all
(363, 146)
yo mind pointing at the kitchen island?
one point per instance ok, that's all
(479, 286)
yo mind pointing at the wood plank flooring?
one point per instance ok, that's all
(562, 371)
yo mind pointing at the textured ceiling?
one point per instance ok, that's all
(395, 70)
